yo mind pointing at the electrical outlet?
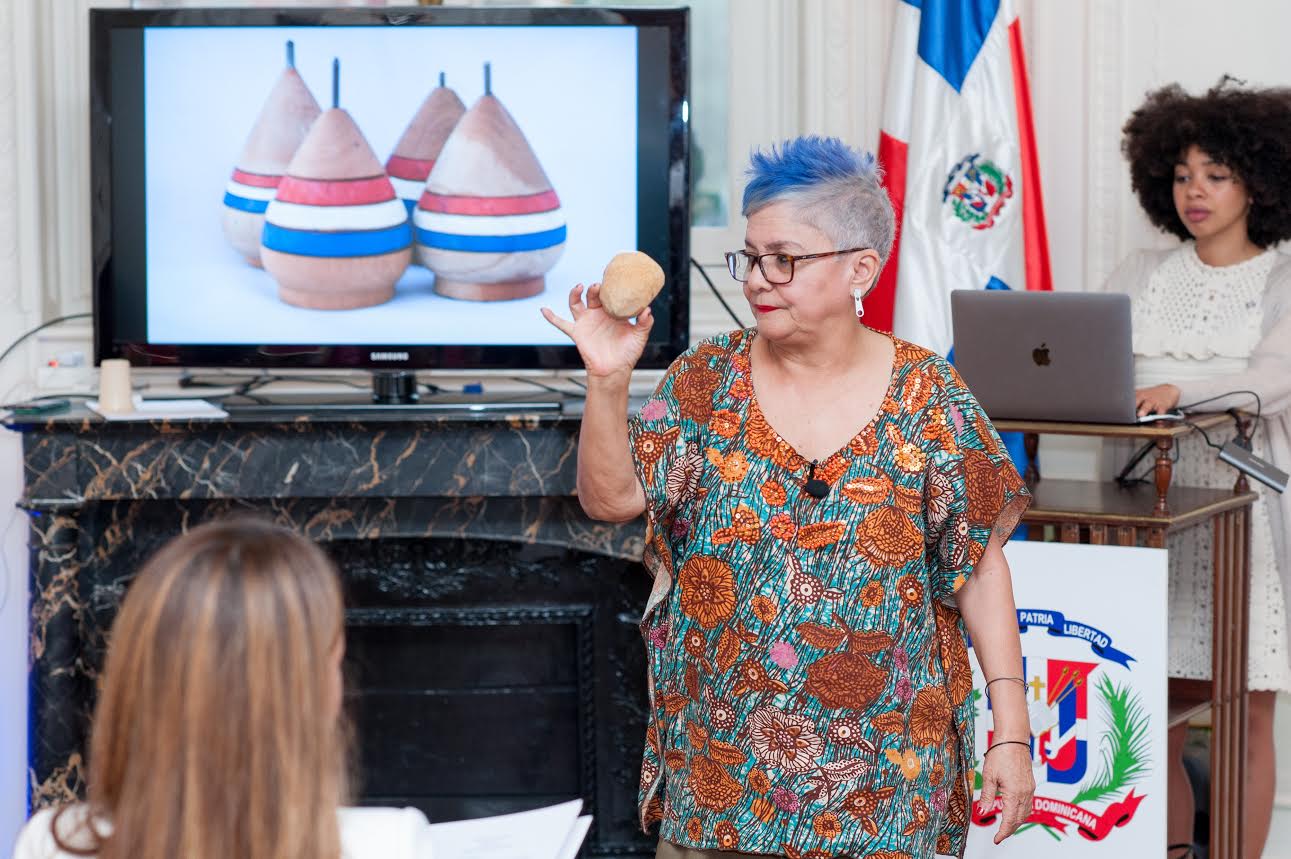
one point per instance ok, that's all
(66, 379)
(62, 360)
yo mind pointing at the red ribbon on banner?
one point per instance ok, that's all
(1055, 813)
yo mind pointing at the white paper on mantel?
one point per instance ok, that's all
(151, 410)
(554, 832)
(576, 836)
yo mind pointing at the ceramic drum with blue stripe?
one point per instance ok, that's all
(489, 224)
(284, 120)
(336, 236)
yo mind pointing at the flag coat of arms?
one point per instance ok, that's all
(1094, 655)
(958, 148)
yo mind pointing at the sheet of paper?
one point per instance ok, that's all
(575, 838)
(538, 834)
(151, 410)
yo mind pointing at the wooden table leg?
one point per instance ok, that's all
(1220, 773)
(1164, 468)
(1228, 664)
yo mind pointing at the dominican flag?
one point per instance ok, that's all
(958, 148)
(1063, 744)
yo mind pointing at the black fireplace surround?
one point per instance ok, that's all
(494, 658)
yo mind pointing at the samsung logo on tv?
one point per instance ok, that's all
(388, 356)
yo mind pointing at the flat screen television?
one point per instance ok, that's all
(380, 188)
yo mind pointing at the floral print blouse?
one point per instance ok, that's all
(809, 680)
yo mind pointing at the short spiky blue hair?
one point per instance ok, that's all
(834, 186)
(802, 164)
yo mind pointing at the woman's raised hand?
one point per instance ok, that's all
(608, 346)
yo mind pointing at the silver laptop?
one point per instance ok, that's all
(1046, 356)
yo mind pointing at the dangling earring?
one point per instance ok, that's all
(860, 307)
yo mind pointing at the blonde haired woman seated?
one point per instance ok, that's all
(219, 731)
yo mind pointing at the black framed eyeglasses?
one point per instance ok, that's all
(777, 267)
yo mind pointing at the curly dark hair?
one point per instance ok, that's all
(1246, 130)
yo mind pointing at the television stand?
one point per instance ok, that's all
(394, 387)
(393, 393)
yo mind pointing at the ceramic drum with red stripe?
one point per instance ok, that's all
(281, 126)
(336, 236)
(489, 224)
(421, 142)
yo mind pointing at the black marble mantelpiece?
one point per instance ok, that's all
(493, 649)
(332, 454)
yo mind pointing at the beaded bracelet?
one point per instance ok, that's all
(1005, 743)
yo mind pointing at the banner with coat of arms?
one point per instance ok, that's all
(1093, 627)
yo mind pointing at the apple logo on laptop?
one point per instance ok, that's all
(1040, 355)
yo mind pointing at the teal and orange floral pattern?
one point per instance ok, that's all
(808, 671)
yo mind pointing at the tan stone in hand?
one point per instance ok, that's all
(629, 284)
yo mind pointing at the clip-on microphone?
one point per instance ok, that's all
(815, 487)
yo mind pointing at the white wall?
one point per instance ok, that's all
(16, 313)
(20, 307)
(44, 271)
(796, 66)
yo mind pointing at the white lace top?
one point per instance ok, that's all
(1195, 311)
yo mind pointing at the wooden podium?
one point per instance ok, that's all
(1101, 513)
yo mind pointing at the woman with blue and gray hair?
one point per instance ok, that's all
(826, 506)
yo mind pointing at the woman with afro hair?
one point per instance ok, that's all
(1212, 317)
